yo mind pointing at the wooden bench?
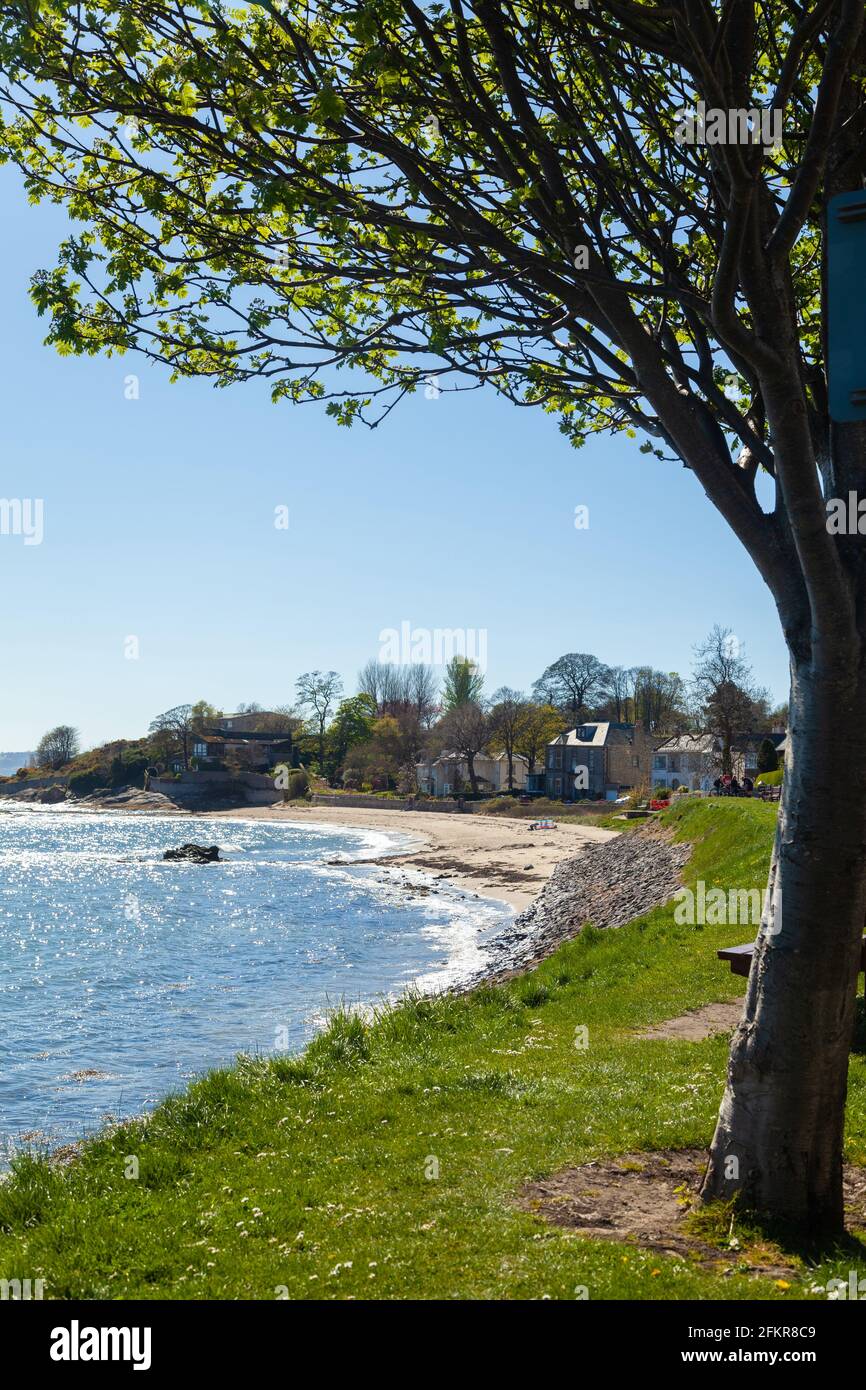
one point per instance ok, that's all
(740, 957)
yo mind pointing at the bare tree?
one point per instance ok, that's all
(618, 687)
(318, 692)
(466, 729)
(724, 689)
(58, 747)
(370, 681)
(506, 718)
(658, 698)
(179, 724)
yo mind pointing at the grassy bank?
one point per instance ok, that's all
(317, 1177)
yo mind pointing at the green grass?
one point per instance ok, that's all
(316, 1175)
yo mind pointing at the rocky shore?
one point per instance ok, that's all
(606, 885)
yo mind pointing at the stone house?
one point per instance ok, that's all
(598, 759)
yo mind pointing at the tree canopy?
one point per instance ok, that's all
(498, 193)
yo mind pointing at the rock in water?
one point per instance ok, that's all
(195, 854)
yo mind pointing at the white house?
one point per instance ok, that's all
(448, 775)
(693, 761)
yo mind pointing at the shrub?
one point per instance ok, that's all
(83, 783)
(298, 784)
(768, 758)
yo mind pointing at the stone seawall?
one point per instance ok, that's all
(606, 885)
(254, 788)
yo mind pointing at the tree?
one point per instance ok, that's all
(572, 681)
(778, 717)
(506, 717)
(618, 687)
(344, 200)
(178, 726)
(768, 758)
(538, 726)
(352, 725)
(463, 683)
(282, 720)
(383, 758)
(658, 698)
(400, 690)
(723, 688)
(203, 715)
(58, 747)
(317, 691)
(466, 730)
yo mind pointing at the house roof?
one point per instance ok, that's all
(451, 757)
(246, 736)
(597, 731)
(777, 739)
(251, 714)
(690, 743)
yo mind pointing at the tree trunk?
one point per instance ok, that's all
(473, 779)
(727, 760)
(778, 1140)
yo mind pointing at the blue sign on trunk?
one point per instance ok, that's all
(846, 306)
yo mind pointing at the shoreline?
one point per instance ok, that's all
(491, 857)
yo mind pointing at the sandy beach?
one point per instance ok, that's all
(495, 857)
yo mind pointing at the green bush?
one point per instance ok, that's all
(83, 783)
(768, 758)
(298, 784)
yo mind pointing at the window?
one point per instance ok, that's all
(660, 761)
(557, 786)
(635, 760)
(199, 750)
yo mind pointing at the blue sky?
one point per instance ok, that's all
(457, 513)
